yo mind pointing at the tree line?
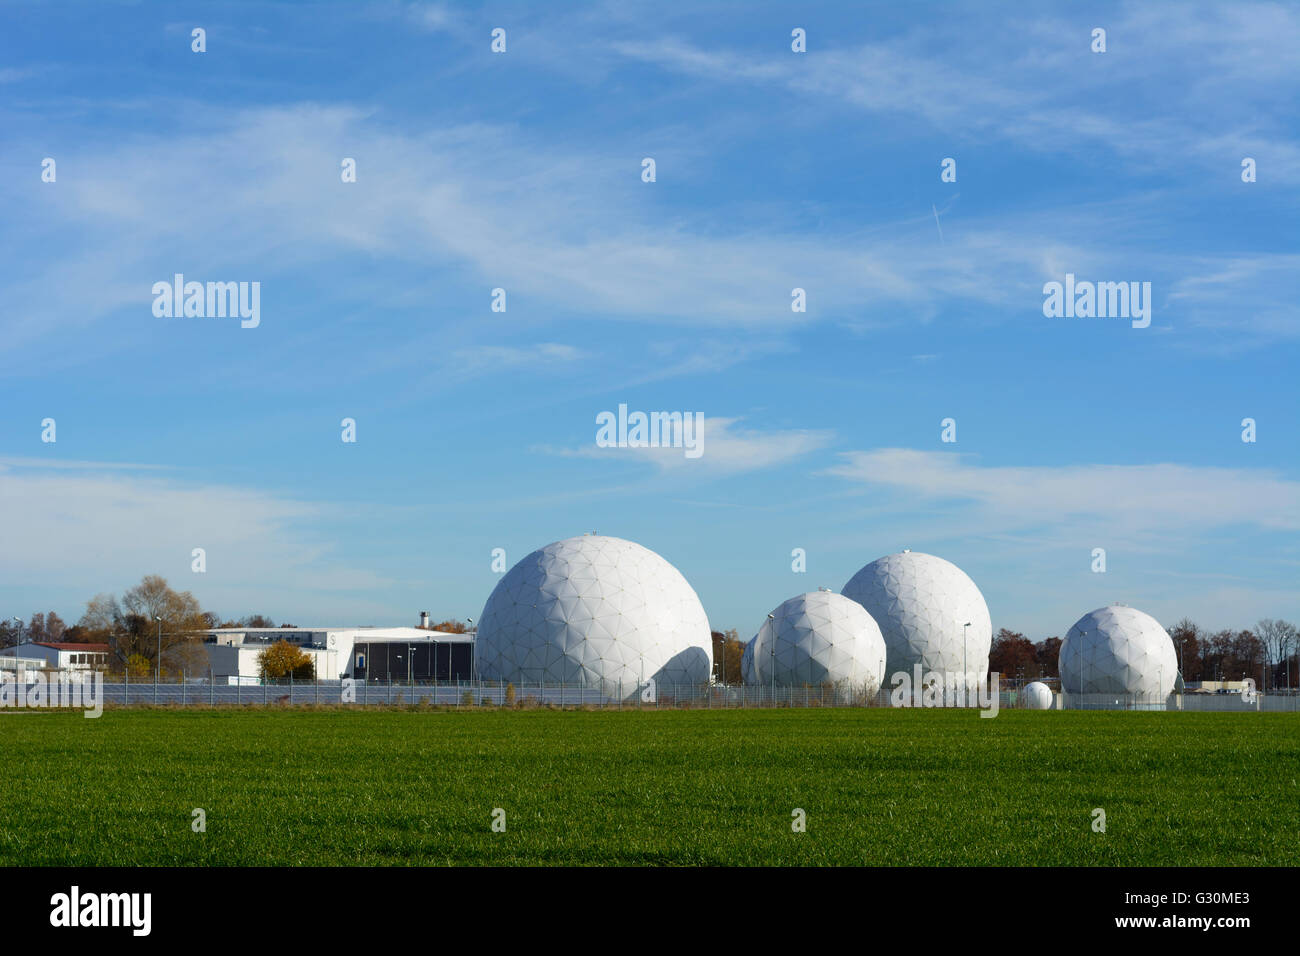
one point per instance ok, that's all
(151, 624)
(1270, 654)
(152, 619)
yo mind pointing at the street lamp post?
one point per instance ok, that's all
(158, 667)
(473, 650)
(19, 621)
(772, 636)
(965, 667)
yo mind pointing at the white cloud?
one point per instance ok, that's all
(1039, 85)
(432, 17)
(727, 450)
(496, 359)
(103, 525)
(569, 231)
(1130, 498)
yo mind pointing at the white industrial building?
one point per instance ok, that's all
(57, 656)
(364, 653)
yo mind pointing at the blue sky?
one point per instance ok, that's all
(775, 170)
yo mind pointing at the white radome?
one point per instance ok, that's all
(598, 612)
(820, 638)
(921, 603)
(1037, 696)
(747, 663)
(1118, 650)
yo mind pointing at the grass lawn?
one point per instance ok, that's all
(887, 787)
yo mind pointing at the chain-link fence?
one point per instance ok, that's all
(457, 694)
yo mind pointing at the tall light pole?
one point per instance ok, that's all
(19, 622)
(771, 632)
(965, 668)
(473, 649)
(158, 669)
(1181, 665)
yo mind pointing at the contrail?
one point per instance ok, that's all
(936, 222)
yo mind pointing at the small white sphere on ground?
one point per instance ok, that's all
(1121, 652)
(816, 639)
(923, 604)
(1037, 696)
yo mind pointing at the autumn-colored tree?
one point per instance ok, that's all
(45, 627)
(728, 649)
(1047, 653)
(138, 666)
(451, 626)
(283, 659)
(1233, 655)
(189, 656)
(133, 626)
(1013, 655)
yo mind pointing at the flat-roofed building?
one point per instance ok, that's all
(63, 655)
(364, 653)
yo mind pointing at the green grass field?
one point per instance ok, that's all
(669, 787)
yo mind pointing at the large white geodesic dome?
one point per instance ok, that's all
(598, 612)
(747, 663)
(921, 603)
(1118, 656)
(1037, 696)
(819, 638)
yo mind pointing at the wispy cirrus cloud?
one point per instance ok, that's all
(1039, 85)
(1135, 498)
(728, 448)
(97, 521)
